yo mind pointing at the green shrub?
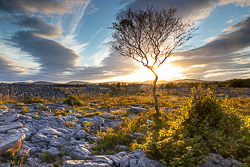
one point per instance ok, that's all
(206, 125)
(241, 83)
(46, 157)
(73, 100)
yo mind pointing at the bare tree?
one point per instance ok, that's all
(150, 36)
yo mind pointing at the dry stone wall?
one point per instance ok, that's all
(20, 91)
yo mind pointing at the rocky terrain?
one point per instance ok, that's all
(41, 131)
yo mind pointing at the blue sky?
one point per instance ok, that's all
(64, 40)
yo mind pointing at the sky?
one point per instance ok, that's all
(69, 40)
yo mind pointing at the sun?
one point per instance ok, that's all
(166, 72)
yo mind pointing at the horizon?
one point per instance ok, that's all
(68, 40)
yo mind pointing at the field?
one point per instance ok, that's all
(193, 122)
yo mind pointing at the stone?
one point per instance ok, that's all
(145, 162)
(139, 153)
(216, 160)
(79, 152)
(65, 158)
(39, 137)
(103, 159)
(33, 162)
(53, 151)
(12, 118)
(136, 109)
(137, 135)
(62, 130)
(10, 141)
(83, 163)
(133, 162)
(5, 165)
(50, 131)
(81, 134)
(115, 159)
(98, 119)
(124, 162)
(15, 125)
(149, 121)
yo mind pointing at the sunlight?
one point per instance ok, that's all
(165, 72)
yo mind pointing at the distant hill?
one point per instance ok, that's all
(77, 83)
(43, 82)
(189, 81)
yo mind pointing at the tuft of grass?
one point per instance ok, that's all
(92, 114)
(69, 124)
(73, 100)
(13, 155)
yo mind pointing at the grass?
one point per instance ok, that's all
(13, 155)
(198, 123)
(69, 124)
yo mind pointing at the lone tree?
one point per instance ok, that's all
(150, 36)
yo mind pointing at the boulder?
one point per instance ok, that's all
(10, 141)
(84, 163)
(53, 151)
(50, 131)
(216, 160)
(12, 118)
(15, 125)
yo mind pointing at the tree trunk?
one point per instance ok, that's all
(154, 88)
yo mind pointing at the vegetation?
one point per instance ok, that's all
(16, 155)
(150, 36)
(56, 161)
(190, 125)
(205, 124)
(239, 83)
(73, 100)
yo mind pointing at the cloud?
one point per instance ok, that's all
(222, 51)
(51, 55)
(111, 66)
(193, 9)
(230, 21)
(39, 27)
(245, 24)
(9, 67)
(242, 3)
(34, 6)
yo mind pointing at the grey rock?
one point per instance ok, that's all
(62, 130)
(83, 163)
(137, 135)
(65, 158)
(98, 119)
(133, 162)
(139, 153)
(124, 162)
(145, 162)
(33, 162)
(39, 137)
(50, 131)
(53, 151)
(79, 152)
(5, 165)
(136, 109)
(8, 142)
(81, 134)
(103, 159)
(15, 125)
(115, 159)
(216, 160)
(12, 118)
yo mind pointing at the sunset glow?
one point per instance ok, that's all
(65, 40)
